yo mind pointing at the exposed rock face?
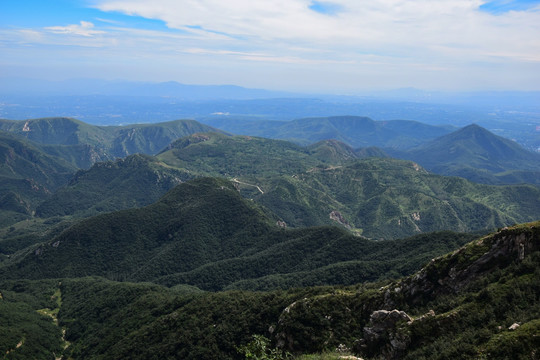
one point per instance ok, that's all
(281, 224)
(385, 335)
(337, 217)
(451, 273)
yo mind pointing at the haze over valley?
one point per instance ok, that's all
(307, 180)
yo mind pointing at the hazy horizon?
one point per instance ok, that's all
(330, 47)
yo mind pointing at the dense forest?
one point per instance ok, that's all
(177, 240)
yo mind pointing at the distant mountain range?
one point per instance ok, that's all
(324, 184)
(86, 87)
(471, 152)
(303, 186)
(354, 130)
(179, 240)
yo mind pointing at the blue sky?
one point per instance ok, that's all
(338, 46)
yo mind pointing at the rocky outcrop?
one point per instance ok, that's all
(375, 318)
(386, 335)
(338, 217)
(451, 273)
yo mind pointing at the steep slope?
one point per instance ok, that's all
(57, 131)
(135, 181)
(195, 223)
(480, 301)
(355, 131)
(387, 198)
(27, 176)
(84, 144)
(478, 155)
(205, 234)
(216, 154)
(152, 138)
(322, 184)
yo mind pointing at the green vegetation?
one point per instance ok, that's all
(356, 131)
(84, 144)
(203, 233)
(226, 267)
(468, 315)
(135, 181)
(389, 199)
(259, 349)
(27, 177)
(480, 156)
(26, 332)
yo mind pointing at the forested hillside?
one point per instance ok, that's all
(478, 302)
(99, 143)
(478, 155)
(204, 233)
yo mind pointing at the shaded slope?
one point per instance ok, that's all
(84, 144)
(422, 316)
(27, 176)
(151, 138)
(135, 181)
(204, 234)
(195, 223)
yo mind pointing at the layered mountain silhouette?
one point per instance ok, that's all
(204, 233)
(323, 184)
(27, 176)
(478, 155)
(150, 255)
(356, 131)
(83, 144)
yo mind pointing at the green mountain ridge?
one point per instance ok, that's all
(204, 233)
(478, 155)
(27, 177)
(356, 131)
(389, 198)
(480, 301)
(135, 181)
(199, 267)
(319, 185)
(100, 143)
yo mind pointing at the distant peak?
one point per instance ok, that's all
(474, 129)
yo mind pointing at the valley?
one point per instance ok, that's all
(184, 240)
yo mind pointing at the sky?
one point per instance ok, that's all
(338, 46)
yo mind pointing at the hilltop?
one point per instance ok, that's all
(478, 155)
(356, 131)
(100, 143)
(205, 234)
(323, 184)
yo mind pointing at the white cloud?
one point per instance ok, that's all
(84, 29)
(398, 27)
(263, 57)
(393, 43)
